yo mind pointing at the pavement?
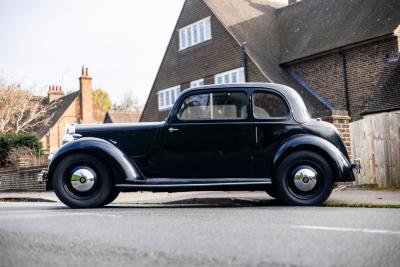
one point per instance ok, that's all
(49, 234)
(346, 196)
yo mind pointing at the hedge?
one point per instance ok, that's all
(9, 141)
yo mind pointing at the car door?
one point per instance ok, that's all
(273, 123)
(208, 137)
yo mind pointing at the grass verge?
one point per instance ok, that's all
(362, 205)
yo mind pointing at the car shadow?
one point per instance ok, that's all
(202, 203)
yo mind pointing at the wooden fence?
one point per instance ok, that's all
(376, 141)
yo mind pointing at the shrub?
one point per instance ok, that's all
(9, 141)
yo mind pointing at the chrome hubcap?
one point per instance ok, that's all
(83, 179)
(305, 179)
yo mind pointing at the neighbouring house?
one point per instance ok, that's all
(76, 107)
(122, 117)
(342, 56)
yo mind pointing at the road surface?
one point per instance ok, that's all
(49, 234)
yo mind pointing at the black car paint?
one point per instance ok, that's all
(209, 150)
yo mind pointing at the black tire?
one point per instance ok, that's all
(304, 190)
(112, 196)
(66, 191)
(271, 191)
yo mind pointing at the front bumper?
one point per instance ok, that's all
(356, 164)
(42, 176)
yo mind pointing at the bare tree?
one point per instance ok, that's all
(129, 103)
(21, 111)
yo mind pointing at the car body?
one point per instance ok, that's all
(218, 137)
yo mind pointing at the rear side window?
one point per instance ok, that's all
(214, 106)
(269, 106)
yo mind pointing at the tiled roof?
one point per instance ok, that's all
(385, 97)
(122, 117)
(310, 27)
(61, 105)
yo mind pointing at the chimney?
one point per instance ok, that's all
(55, 92)
(291, 2)
(86, 96)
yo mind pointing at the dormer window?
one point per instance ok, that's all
(195, 33)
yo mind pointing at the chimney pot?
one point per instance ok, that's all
(87, 72)
(83, 70)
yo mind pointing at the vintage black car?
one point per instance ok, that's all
(219, 137)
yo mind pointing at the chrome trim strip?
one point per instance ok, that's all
(266, 181)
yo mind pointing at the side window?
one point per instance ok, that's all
(195, 107)
(214, 106)
(269, 105)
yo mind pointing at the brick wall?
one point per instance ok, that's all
(367, 71)
(21, 179)
(23, 175)
(342, 122)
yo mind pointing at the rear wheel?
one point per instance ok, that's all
(82, 181)
(304, 178)
(112, 196)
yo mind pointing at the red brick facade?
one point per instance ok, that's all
(76, 107)
(367, 71)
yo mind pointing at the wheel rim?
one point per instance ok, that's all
(83, 179)
(305, 181)
(81, 182)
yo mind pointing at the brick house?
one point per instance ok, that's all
(342, 56)
(76, 107)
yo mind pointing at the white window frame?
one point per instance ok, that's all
(197, 83)
(167, 97)
(231, 76)
(195, 33)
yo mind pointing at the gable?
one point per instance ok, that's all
(56, 114)
(180, 67)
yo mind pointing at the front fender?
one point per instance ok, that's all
(340, 164)
(118, 162)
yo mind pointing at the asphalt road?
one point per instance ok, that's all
(38, 234)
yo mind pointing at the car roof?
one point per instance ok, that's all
(296, 103)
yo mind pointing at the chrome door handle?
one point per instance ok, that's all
(172, 129)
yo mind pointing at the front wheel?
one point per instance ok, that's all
(82, 181)
(304, 178)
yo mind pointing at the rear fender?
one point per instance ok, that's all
(121, 166)
(340, 164)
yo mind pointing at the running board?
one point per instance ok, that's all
(173, 184)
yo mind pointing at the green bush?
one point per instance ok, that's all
(9, 141)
